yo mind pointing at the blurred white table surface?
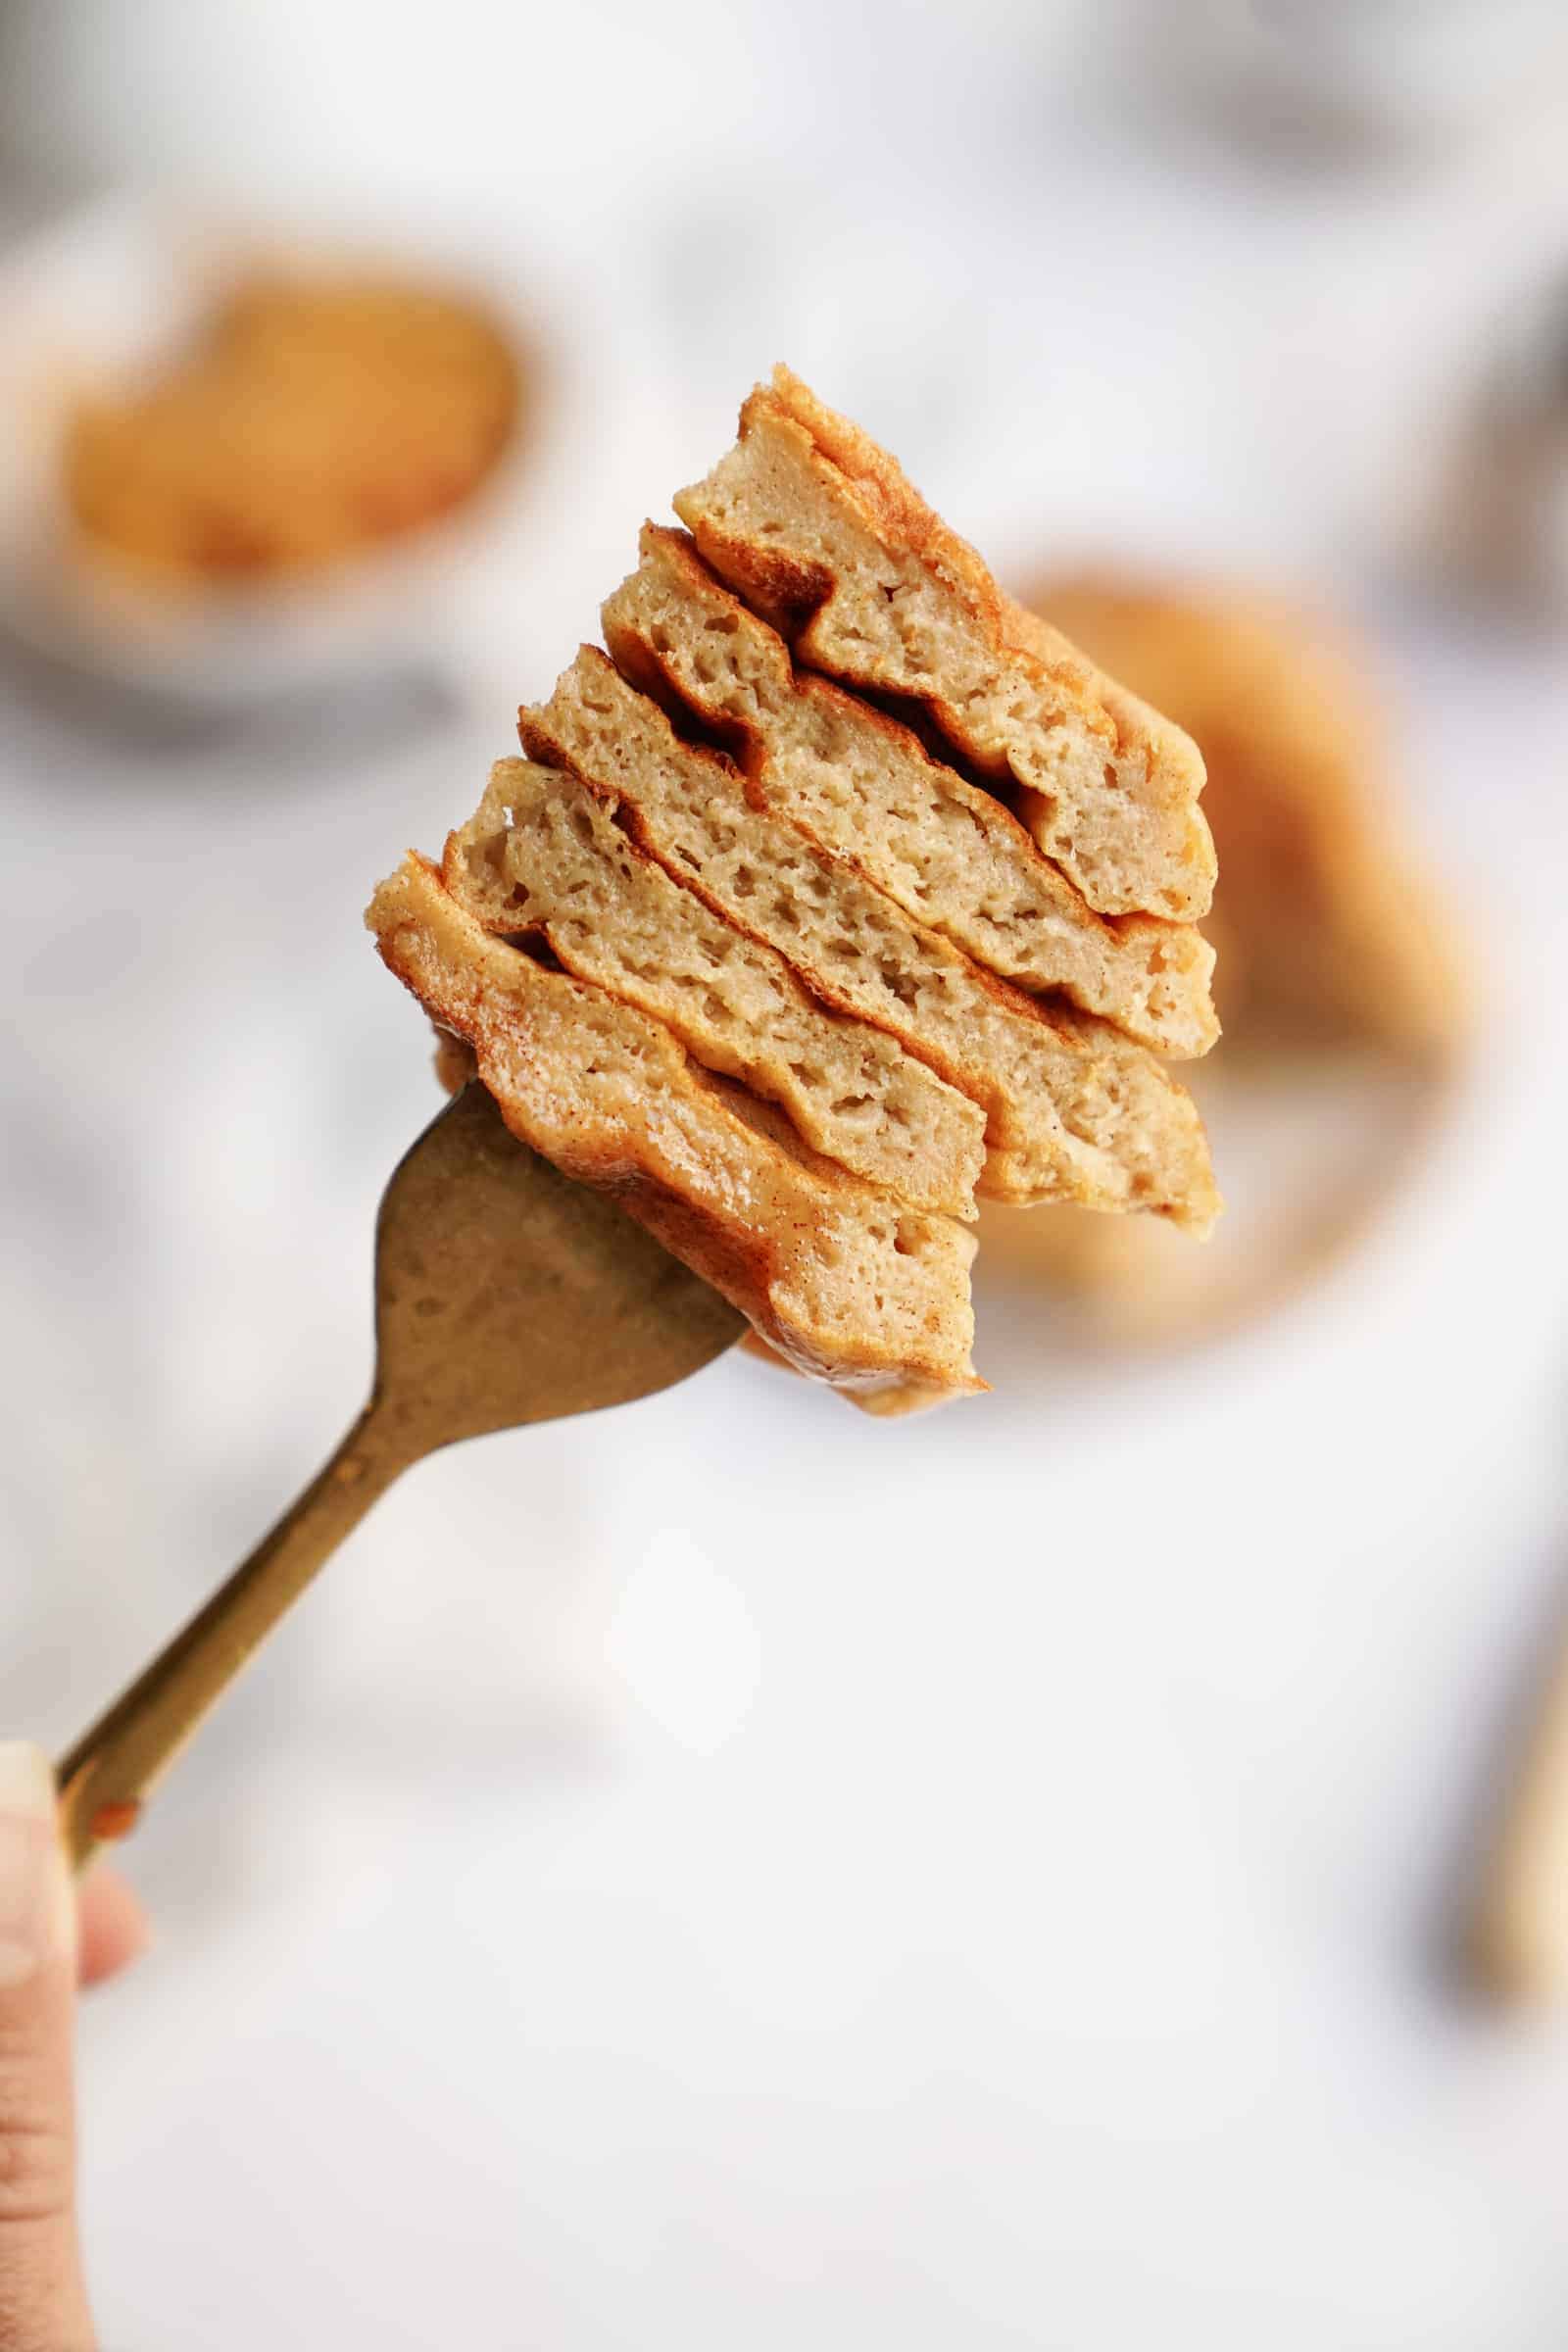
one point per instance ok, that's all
(729, 1873)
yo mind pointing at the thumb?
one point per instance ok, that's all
(42, 2302)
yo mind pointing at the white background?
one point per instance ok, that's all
(727, 1873)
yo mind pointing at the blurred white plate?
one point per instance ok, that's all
(1312, 1150)
(109, 289)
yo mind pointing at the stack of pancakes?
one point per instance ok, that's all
(838, 891)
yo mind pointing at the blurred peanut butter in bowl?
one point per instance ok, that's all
(307, 419)
(244, 458)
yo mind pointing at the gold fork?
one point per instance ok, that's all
(505, 1294)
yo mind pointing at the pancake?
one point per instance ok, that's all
(837, 893)
(545, 856)
(839, 1279)
(863, 786)
(820, 532)
(1074, 1111)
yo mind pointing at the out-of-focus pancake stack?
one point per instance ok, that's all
(839, 891)
(1338, 979)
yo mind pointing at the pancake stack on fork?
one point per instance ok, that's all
(838, 891)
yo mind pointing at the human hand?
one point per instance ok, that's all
(49, 1944)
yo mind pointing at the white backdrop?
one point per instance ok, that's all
(726, 1873)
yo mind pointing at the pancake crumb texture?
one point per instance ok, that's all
(796, 979)
(1074, 1109)
(817, 529)
(835, 1273)
(545, 855)
(864, 787)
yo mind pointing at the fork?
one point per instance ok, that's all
(505, 1294)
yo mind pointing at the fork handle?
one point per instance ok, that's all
(105, 1780)
(1521, 1930)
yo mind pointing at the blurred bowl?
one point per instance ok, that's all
(1370, 73)
(104, 295)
